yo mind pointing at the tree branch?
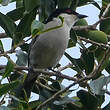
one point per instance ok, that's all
(95, 43)
(3, 35)
(96, 70)
(58, 74)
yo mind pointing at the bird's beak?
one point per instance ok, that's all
(80, 16)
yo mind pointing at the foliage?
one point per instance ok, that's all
(93, 60)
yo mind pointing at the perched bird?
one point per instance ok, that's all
(47, 49)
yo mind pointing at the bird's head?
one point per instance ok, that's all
(70, 16)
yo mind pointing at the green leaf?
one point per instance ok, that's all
(55, 86)
(24, 27)
(64, 3)
(73, 37)
(87, 58)
(46, 8)
(4, 88)
(70, 44)
(105, 26)
(36, 27)
(34, 104)
(64, 100)
(7, 24)
(74, 61)
(22, 58)
(0, 1)
(97, 85)
(19, 3)
(9, 68)
(25, 47)
(1, 46)
(107, 107)
(87, 100)
(16, 14)
(30, 5)
(99, 53)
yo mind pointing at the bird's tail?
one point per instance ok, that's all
(23, 91)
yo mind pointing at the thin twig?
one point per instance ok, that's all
(95, 43)
(106, 11)
(59, 74)
(65, 67)
(97, 69)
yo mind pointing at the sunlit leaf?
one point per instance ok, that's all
(36, 27)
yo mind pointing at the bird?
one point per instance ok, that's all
(46, 49)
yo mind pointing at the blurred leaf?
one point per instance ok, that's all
(104, 6)
(4, 88)
(7, 24)
(24, 27)
(82, 33)
(30, 5)
(22, 58)
(16, 14)
(107, 107)
(25, 47)
(97, 85)
(56, 86)
(18, 100)
(101, 99)
(36, 27)
(64, 100)
(64, 3)
(74, 62)
(34, 104)
(4, 2)
(19, 3)
(1, 46)
(4, 108)
(72, 106)
(74, 4)
(88, 61)
(9, 68)
(99, 53)
(46, 8)
(73, 38)
(105, 26)
(70, 44)
(87, 100)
